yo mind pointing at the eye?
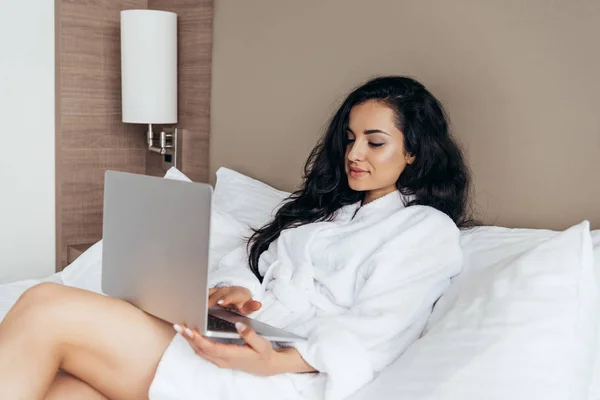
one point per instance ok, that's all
(349, 140)
(376, 144)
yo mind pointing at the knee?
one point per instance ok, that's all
(41, 297)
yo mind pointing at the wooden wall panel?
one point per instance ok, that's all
(194, 38)
(90, 137)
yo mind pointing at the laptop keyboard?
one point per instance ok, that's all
(220, 325)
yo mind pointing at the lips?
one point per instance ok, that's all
(358, 172)
(354, 169)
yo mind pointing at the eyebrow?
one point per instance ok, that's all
(371, 131)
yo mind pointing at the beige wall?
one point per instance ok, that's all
(519, 78)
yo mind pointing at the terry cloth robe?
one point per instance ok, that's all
(360, 289)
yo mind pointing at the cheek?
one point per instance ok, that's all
(388, 157)
(388, 163)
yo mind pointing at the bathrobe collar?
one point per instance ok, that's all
(389, 203)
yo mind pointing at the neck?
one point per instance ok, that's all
(376, 194)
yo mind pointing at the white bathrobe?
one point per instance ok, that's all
(360, 288)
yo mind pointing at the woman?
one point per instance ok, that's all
(353, 261)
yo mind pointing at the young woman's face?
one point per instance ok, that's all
(375, 155)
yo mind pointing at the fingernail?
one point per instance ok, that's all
(220, 302)
(177, 328)
(240, 327)
(189, 333)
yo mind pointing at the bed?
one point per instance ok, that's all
(520, 321)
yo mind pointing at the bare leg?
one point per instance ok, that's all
(107, 343)
(67, 387)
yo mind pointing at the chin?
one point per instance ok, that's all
(357, 185)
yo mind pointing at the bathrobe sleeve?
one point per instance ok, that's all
(402, 280)
(233, 270)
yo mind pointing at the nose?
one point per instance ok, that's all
(356, 151)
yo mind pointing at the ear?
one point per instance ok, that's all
(410, 158)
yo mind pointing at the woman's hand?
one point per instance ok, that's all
(256, 357)
(234, 297)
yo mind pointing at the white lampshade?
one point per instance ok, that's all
(149, 66)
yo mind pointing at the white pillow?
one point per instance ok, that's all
(483, 247)
(522, 329)
(246, 200)
(239, 204)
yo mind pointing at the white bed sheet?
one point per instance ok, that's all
(84, 273)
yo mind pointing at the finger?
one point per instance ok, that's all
(208, 347)
(217, 295)
(250, 306)
(257, 343)
(223, 299)
(232, 300)
(212, 291)
(184, 331)
(212, 300)
(199, 342)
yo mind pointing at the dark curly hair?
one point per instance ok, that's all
(438, 177)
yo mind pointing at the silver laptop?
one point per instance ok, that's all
(155, 253)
